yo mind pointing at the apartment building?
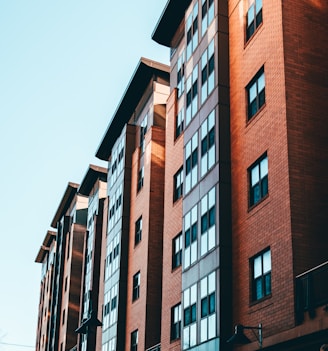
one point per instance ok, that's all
(278, 104)
(94, 188)
(62, 261)
(214, 221)
(197, 304)
(46, 257)
(134, 145)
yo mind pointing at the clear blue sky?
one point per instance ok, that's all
(64, 66)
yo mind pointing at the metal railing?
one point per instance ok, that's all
(155, 348)
(311, 291)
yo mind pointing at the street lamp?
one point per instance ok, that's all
(239, 338)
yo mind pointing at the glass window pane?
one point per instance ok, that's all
(267, 282)
(252, 93)
(261, 82)
(211, 120)
(212, 326)
(211, 282)
(255, 175)
(193, 254)
(203, 244)
(203, 330)
(186, 298)
(204, 307)
(203, 287)
(258, 289)
(257, 267)
(186, 340)
(211, 238)
(267, 262)
(264, 167)
(250, 14)
(193, 294)
(211, 197)
(193, 335)
(258, 6)
(203, 205)
(211, 307)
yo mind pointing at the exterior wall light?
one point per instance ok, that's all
(239, 338)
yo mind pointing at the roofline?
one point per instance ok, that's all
(65, 202)
(169, 21)
(50, 236)
(92, 175)
(143, 73)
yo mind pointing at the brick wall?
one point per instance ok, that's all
(171, 294)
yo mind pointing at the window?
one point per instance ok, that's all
(258, 179)
(136, 286)
(189, 317)
(177, 251)
(143, 131)
(138, 231)
(134, 341)
(192, 31)
(140, 178)
(207, 66)
(192, 95)
(207, 14)
(208, 143)
(112, 256)
(254, 17)
(208, 317)
(113, 304)
(63, 317)
(261, 275)
(178, 185)
(191, 163)
(207, 213)
(176, 322)
(115, 207)
(180, 74)
(190, 232)
(256, 93)
(179, 123)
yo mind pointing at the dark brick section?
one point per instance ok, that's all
(291, 129)
(306, 72)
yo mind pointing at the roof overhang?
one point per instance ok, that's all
(50, 236)
(144, 72)
(169, 21)
(65, 202)
(93, 174)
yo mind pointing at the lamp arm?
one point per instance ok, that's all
(259, 328)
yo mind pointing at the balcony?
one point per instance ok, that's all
(311, 291)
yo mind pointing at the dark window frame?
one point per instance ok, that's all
(134, 340)
(136, 287)
(178, 184)
(138, 231)
(175, 325)
(263, 281)
(177, 256)
(259, 190)
(254, 13)
(255, 105)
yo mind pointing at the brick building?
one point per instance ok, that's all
(214, 223)
(134, 146)
(94, 188)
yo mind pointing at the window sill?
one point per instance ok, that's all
(258, 302)
(250, 39)
(259, 205)
(259, 113)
